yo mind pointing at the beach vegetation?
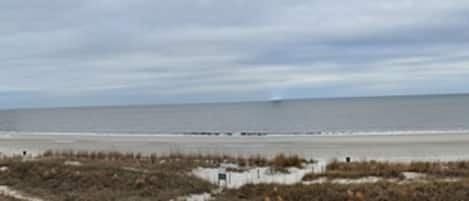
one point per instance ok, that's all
(381, 191)
(359, 169)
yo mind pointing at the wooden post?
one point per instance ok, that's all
(348, 159)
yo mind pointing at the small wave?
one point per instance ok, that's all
(10, 134)
(376, 133)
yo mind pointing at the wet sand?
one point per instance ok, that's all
(442, 147)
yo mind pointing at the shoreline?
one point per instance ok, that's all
(4, 134)
(444, 147)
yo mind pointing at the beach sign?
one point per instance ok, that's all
(222, 176)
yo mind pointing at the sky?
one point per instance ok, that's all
(56, 53)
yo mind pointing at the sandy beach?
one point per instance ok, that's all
(197, 178)
(441, 147)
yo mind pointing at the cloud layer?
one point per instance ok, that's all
(99, 52)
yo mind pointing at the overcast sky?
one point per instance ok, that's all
(111, 52)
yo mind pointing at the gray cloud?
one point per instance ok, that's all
(58, 53)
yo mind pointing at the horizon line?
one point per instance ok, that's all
(235, 102)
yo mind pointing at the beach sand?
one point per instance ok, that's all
(441, 147)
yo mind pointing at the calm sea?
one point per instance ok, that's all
(313, 116)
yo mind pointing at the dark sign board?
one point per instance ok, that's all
(221, 176)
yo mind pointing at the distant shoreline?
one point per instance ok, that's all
(446, 147)
(239, 134)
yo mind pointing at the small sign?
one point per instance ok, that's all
(222, 176)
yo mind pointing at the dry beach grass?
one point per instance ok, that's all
(82, 175)
(93, 176)
(336, 169)
(52, 180)
(381, 191)
(5, 198)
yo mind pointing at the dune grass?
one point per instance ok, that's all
(5, 198)
(52, 180)
(382, 191)
(189, 161)
(336, 169)
(93, 176)
(83, 175)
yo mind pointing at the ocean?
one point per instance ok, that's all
(340, 116)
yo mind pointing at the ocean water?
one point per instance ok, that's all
(310, 116)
